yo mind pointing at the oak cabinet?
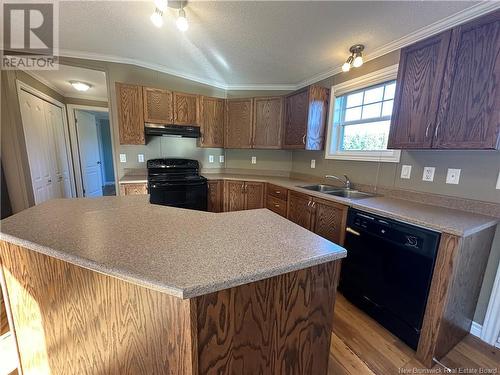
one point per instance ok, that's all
(133, 189)
(215, 196)
(329, 220)
(277, 191)
(243, 195)
(305, 118)
(186, 108)
(158, 107)
(267, 122)
(238, 123)
(299, 209)
(276, 205)
(130, 114)
(448, 91)
(211, 122)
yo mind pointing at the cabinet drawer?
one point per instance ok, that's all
(277, 191)
(276, 205)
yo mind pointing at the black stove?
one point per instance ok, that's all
(177, 183)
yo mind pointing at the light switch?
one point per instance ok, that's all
(140, 158)
(123, 158)
(453, 176)
(254, 159)
(313, 163)
(428, 174)
(210, 158)
(406, 171)
(221, 158)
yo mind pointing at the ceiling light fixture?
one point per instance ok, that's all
(356, 58)
(80, 86)
(157, 18)
(182, 22)
(161, 4)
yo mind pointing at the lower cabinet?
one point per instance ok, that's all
(325, 218)
(134, 189)
(243, 195)
(215, 196)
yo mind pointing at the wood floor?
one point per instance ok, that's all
(360, 346)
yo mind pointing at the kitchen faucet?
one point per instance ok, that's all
(346, 182)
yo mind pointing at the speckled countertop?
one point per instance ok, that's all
(181, 252)
(446, 220)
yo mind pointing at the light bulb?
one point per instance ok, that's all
(157, 18)
(80, 86)
(182, 22)
(346, 67)
(358, 61)
(161, 4)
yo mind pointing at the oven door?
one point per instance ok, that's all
(182, 194)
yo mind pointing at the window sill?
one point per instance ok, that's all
(387, 157)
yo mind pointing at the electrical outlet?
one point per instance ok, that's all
(254, 159)
(406, 172)
(428, 174)
(313, 163)
(221, 158)
(453, 176)
(498, 181)
(140, 158)
(210, 158)
(123, 158)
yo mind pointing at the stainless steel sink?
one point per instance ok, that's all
(338, 192)
(320, 188)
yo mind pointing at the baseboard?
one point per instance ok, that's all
(476, 329)
(109, 183)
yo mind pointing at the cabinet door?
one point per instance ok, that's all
(130, 114)
(268, 114)
(215, 197)
(211, 122)
(186, 108)
(316, 117)
(299, 209)
(296, 112)
(158, 106)
(133, 189)
(276, 205)
(469, 116)
(238, 131)
(329, 220)
(234, 195)
(254, 195)
(418, 89)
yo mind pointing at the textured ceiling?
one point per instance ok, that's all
(243, 42)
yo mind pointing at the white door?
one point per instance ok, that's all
(37, 137)
(88, 145)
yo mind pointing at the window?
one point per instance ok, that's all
(359, 126)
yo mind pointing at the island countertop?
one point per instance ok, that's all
(181, 252)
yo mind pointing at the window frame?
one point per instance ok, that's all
(334, 131)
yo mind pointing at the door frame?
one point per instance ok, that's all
(22, 86)
(490, 331)
(74, 139)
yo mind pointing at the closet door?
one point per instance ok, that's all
(36, 135)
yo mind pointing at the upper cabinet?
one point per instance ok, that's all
(158, 107)
(130, 114)
(211, 122)
(448, 94)
(267, 122)
(186, 108)
(238, 123)
(305, 118)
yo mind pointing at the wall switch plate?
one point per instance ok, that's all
(428, 174)
(453, 176)
(140, 158)
(221, 158)
(254, 159)
(406, 172)
(210, 158)
(123, 158)
(498, 181)
(313, 163)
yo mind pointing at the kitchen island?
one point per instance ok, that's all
(115, 285)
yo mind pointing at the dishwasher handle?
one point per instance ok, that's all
(352, 231)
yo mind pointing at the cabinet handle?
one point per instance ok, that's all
(313, 204)
(436, 131)
(304, 139)
(308, 203)
(427, 130)
(276, 205)
(277, 192)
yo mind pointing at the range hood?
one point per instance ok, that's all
(172, 130)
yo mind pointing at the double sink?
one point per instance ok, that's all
(338, 192)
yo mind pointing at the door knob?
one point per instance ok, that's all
(98, 162)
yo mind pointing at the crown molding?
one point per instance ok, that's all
(446, 23)
(85, 97)
(44, 81)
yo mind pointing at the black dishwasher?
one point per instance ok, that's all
(388, 271)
